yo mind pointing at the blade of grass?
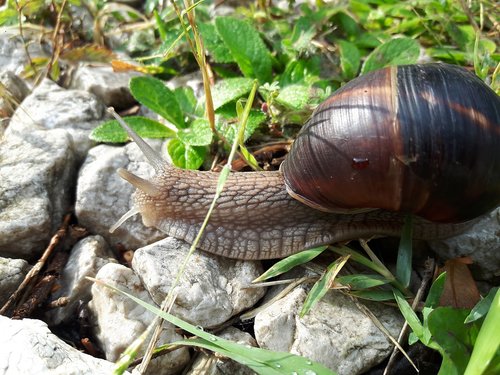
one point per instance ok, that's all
(405, 251)
(260, 360)
(323, 285)
(290, 262)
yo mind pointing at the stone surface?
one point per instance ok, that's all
(52, 107)
(28, 347)
(119, 320)
(335, 332)
(85, 260)
(213, 364)
(109, 86)
(103, 197)
(481, 243)
(211, 290)
(12, 273)
(12, 51)
(36, 180)
(13, 90)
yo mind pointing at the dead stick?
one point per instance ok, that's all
(33, 273)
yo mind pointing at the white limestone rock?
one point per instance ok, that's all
(86, 258)
(119, 320)
(50, 106)
(36, 180)
(28, 347)
(102, 196)
(212, 289)
(109, 86)
(335, 332)
(12, 273)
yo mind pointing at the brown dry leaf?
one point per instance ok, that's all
(123, 66)
(460, 289)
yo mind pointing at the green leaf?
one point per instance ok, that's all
(247, 48)
(323, 285)
(394, 52)
(435, 292)
(214, 44)
(373, 295)
(187, 101)
(153, 93)
(262, 361)
(456, 339)
(405, 251)
(185, 156)
(362, 281)
(294, 96)
(350, 59)
(485, 357)
(482, 307)
(227, 125)
(303, 71)
(290, 262)
(230, 90)
(198, 133)
(112, 132)
(409, 315)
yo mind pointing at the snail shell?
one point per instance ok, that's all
(422, 139)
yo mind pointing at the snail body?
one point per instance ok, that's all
(420, 139)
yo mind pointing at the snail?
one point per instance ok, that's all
(418, 139)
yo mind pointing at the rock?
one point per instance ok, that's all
(109, 86)
(119, 320)
(213, 364)
(102, 196)
(28, 347)
(13, 90)
(86, 258)
(36, 181)
(12, 273)
(481, 243)
(212, 289)
(51, 107)
(13, 52)
(334, 333)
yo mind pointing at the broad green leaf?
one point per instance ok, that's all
(303, 71)
(294, 96)
(185, 156)
(485, 357)
(290, 262)
(323, 285)
(350, 59)
(435, 292)
(214, 44)
(153, 93)
(247, 48)
(482, 307)
(230, 90)
(198, 133)
(405, 251)
(455, 338)
(8, 17)
(227, 122)
(362, 281)
(112, 132)
(187, 101)
(394, 52)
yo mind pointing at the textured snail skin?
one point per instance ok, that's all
(255, 217)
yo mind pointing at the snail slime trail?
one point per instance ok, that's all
(419, 139)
